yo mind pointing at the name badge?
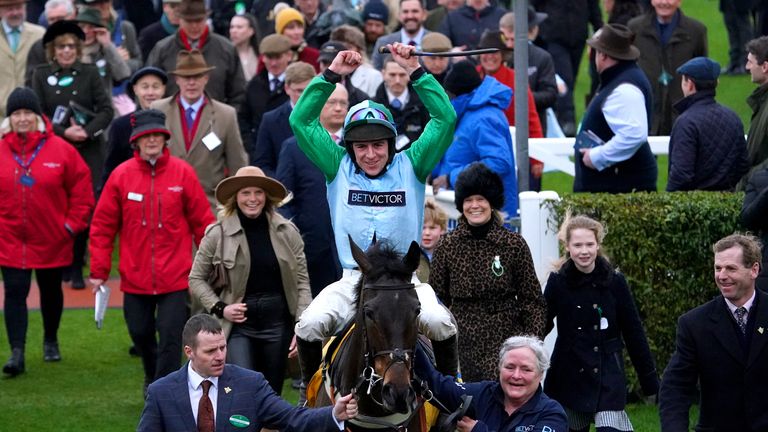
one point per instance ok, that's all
(133, 196)
(211, 141)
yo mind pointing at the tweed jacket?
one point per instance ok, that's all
(289, 249)
(226, 83)
(211, 165)
(14, 64)
(688, 40)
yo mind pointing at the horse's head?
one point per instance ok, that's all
(388, 311)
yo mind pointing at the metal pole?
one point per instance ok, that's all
(521, 94)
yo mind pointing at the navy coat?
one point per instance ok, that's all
(310, 212)
(540, 413)
(119, 147)
(273, 130)
(587, 369)
(168, 408)
(707, 149)
(733, 380)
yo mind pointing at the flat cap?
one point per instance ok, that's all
(700, 68)
(274, 44)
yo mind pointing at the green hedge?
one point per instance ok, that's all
(662, 242)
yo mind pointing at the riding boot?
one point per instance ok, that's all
(310, 356)
(15, 364)
(447, 356)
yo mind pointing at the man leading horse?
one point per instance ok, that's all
(373, 192)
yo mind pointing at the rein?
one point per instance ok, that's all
(369, 379)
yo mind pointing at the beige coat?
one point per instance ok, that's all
(14, 65)
(211, 166)
(289, 249)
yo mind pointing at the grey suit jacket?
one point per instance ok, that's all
(378, 58)
(211, 166)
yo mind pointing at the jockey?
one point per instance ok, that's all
(374, 193)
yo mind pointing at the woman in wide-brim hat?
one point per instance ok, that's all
(484, 273)
(145, 86)
(67, 84)
(268, 282)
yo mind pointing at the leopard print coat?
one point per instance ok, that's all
(489, 304)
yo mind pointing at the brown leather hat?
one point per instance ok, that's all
(192, 10)
(616, 41)
(191, 63)
(249, 176)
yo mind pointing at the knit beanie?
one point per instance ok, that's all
(478, 179)
(462, 78)
(23, 98)
(285, 16)
(376, 10)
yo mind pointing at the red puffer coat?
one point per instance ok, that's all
(156, 211)
(38, 222)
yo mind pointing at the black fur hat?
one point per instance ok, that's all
(478, 179)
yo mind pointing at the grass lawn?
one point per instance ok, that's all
(731, 92)
(97, 386)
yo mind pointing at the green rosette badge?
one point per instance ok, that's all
(239, 421)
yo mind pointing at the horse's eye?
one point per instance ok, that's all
(368, 313)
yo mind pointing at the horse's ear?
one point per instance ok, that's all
(360, 258)
(412, 258)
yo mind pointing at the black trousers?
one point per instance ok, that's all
(567, 60)
(150, 316)
(261, 344)
(17, 284)
(79, 249)
(740, 32)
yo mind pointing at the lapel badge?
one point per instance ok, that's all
(228, 389)
(760, 330)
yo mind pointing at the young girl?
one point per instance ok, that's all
(596, 316)
(435, 225)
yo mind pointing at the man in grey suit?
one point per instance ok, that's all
(412, 17)
(206, 394)
(722, 346)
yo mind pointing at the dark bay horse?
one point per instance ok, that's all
(375, 361)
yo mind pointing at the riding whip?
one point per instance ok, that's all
(385, 50)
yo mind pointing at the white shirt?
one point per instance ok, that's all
(403, 98)
(281, 77)
(405, 38)
(195, 388)
(748, 306)
(624, 111)
(195, 107)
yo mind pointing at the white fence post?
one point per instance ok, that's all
(541, 238)
(534, 227)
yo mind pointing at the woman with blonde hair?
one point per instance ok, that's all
(596, 317)
(268, 289)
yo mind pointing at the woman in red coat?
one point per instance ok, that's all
(46, 199)
(158, 207)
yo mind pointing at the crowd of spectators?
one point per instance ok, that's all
(153, 117)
